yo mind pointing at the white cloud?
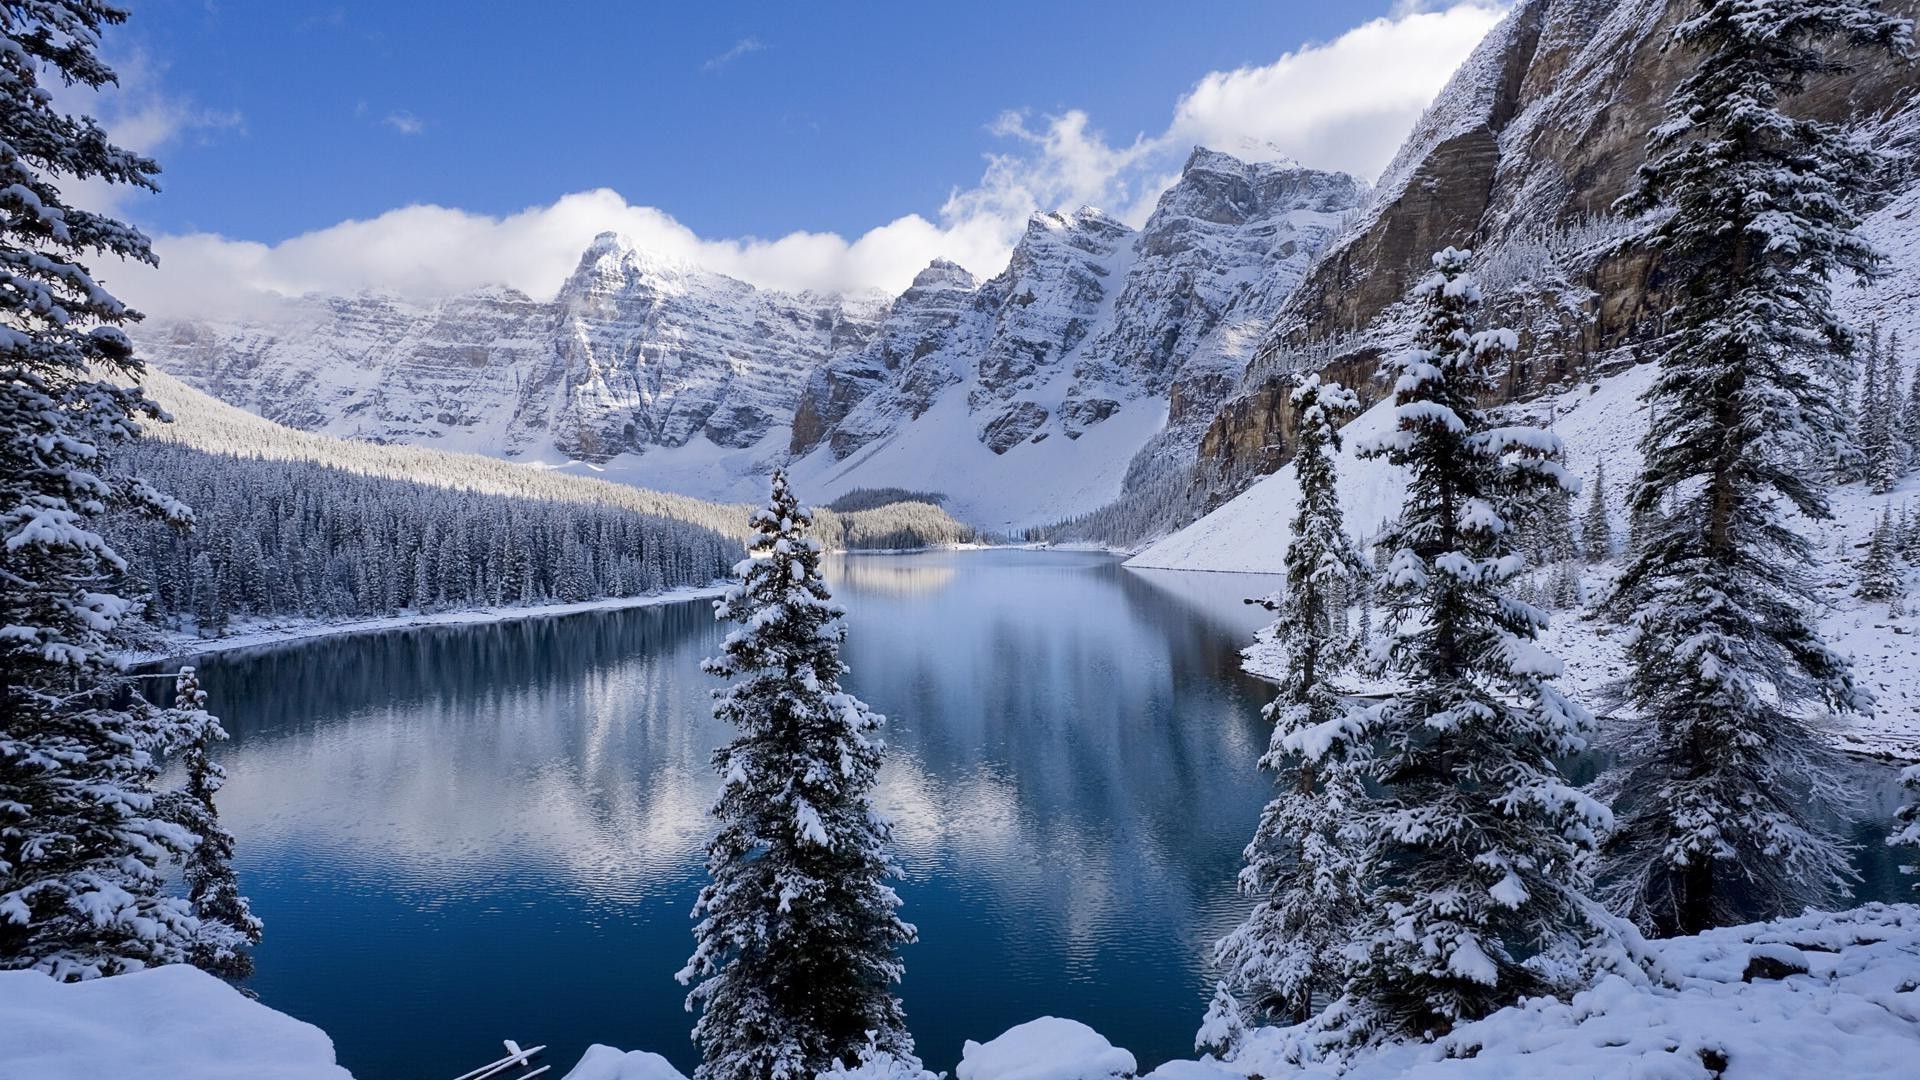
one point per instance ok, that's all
(404, 122)
(740, 48)
(1343, 104)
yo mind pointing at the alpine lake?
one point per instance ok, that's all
(463, 834)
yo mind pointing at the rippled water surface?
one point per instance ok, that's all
(463, 834)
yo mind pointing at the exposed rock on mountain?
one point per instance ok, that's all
(634, 352)
(1520, 158)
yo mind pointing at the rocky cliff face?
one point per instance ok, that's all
(1520, 158)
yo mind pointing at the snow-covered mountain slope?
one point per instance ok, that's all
(1025, 398)
(1022, 397)
(202, 422)
(1601, 424)
(634, 352)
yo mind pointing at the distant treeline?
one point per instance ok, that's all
(301, 539)
(876, 497)
(286, 537)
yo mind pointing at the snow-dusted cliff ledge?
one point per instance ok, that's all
(1833, 995)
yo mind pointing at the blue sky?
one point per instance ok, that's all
(733, 120)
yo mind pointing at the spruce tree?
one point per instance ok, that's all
(1887, 455)
(1596, 528)
(1880, 570)
(1724, 787)
(1906, 831)
(1472, 842)
(1869, 417)
(798, 932)
(1910, 417)
(228, 926)
(80, 844)
(1298, 867)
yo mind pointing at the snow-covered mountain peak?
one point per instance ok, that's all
(942, 274)
(1053, 371)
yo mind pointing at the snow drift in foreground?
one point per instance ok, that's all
(165, 1023)
(1818, 995)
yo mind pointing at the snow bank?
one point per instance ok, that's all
(165, 1023)
(606, 1063)
(1855, 1013)
(1045, 1049)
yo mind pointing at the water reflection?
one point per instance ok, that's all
(461, 834)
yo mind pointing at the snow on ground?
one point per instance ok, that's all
(1600, 423)
(1031, 484)
(1045, 1049)
(166, 1023)
(278, 631)
(1853, 1013)
(1841, 999)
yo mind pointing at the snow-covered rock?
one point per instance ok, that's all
(165, 1023)
(605, 1063)
(1049, 1048)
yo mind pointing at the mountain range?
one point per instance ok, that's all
(1021, 397)
(1104, 366)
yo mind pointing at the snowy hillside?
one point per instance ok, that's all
(1600, 425)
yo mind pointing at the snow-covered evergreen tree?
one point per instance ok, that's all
(1298, 867)
(1910, 415)
(1906, 831)
(80, 844)
(1886, 443)
(1869, 423)
(1596, 527)
(228, 927)
(1723, 784)
(1472, 841)
(797, 938)
(1880, 570)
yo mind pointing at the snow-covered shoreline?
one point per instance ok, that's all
(289, 630)
(1782, 1000)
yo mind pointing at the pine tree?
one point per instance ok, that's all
(1906, 832)
(1596, 528)
(1910, 418)
(1869, 420)
(228, 926)
(1298, 867)
(80, 845)
(1225, 1027)
(1886, 450)
(1723, 785)
(1472, 846)
(1880, 570)
(797, 938)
